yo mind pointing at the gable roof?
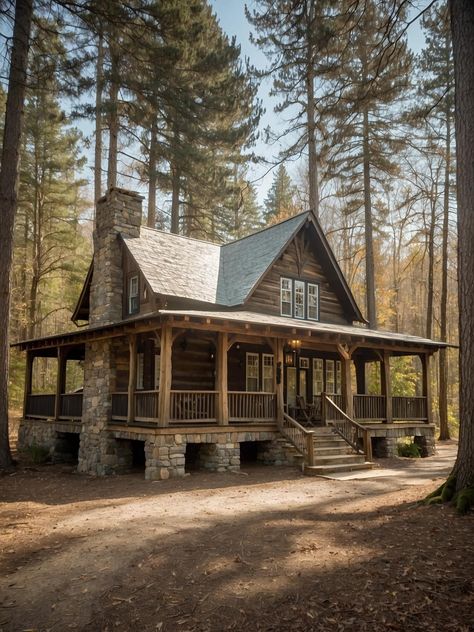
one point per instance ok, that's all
(226, 275)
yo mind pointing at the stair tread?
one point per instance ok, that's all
(345, 467)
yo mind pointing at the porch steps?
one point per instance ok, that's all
(331, 454)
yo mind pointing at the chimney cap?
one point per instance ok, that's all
(133, 194)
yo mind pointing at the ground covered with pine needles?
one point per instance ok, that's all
(266, 550)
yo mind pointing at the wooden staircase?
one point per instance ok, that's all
(332, 454)
(342, 445)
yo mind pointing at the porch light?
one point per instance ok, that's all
(289, 355)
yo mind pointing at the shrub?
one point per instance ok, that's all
(409, 450)
(37, 453)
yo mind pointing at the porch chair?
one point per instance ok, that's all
(305, 411)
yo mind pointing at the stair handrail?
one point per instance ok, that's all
(301, 438)
(340, 426)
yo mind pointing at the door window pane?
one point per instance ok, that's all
(318, 376)
(330, 381)
(302, 384)
(267, 372)
(291, 386)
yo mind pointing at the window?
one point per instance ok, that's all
(157, 371)
(133, 304)
(304, 363)
(140, 366)
(330, 377)
(318, 376)
(267, 373)
(313, 301)
(286, 297)
(338, 377)
(299, 299)
(251, 372)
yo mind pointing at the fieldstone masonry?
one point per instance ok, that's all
(384, 441)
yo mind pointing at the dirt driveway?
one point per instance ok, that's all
(266, 549)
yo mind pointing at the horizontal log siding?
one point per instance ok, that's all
(193, 368)
(266, 297)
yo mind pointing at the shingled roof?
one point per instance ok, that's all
(224, 275)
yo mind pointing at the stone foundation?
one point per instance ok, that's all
(45, 434)
(385, 440)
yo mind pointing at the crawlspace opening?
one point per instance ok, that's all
(66, 449)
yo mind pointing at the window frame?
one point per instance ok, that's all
(294, 288)
(136, 296)
(248, 354)
(264, 366)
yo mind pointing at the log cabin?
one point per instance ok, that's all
(199, 355)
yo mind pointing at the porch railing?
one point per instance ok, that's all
(251, 406)
(299, 436)
(146, 405)
(40, 405)
(71, 405)
(195, 406)
(369, 406)
(409, 408)
(350, 430)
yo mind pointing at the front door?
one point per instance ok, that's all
(291, 387)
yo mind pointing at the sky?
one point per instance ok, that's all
(231, 16)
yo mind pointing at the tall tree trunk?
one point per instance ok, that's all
(113, 121)
(443, 360)
(8, 197)
(369, 240)
(175, 200)
(430, 288)
(312, 155)
(462, 28)
(151, 218)
(98, 120)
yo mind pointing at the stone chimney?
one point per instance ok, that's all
(118, 211)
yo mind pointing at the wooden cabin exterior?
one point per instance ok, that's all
(196, 348)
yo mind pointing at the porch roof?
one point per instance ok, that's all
(352, 333)
(280, 325)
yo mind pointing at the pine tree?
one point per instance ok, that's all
(365, 142)
(281, 201)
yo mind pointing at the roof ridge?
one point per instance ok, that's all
(261, 230)
(168, 234)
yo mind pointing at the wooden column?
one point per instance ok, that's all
(426, 366)
(28, 379)
(221, 379)
(280, 370)
(132, 377)
(346, 380)
(60, 380)
(387, 386)
(166, 350)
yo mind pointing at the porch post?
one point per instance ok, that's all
(387, 386)
(346, 380)
(60, 380)
(426, 366)
(221, 379)
(28, 379)
(165, 375)
(279, 385)
(132, 377)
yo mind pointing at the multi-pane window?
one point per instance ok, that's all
(313, 301)
(140, 370)
(286, 296)
(251, 372)
(299, 299)
(330, 377)
(318, 376)
(133, 303)
(267, 372)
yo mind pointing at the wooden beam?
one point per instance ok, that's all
(279, 373)
(165, 375)
(28, 379)
(60, 380)
(387, 386)
(221, 379)
(426, 366)
(132, 377)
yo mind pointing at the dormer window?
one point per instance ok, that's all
(133, 302)
(299, 299)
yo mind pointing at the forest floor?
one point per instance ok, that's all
(266, 549)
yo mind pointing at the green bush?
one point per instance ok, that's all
(410, 450)
(37, 454)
